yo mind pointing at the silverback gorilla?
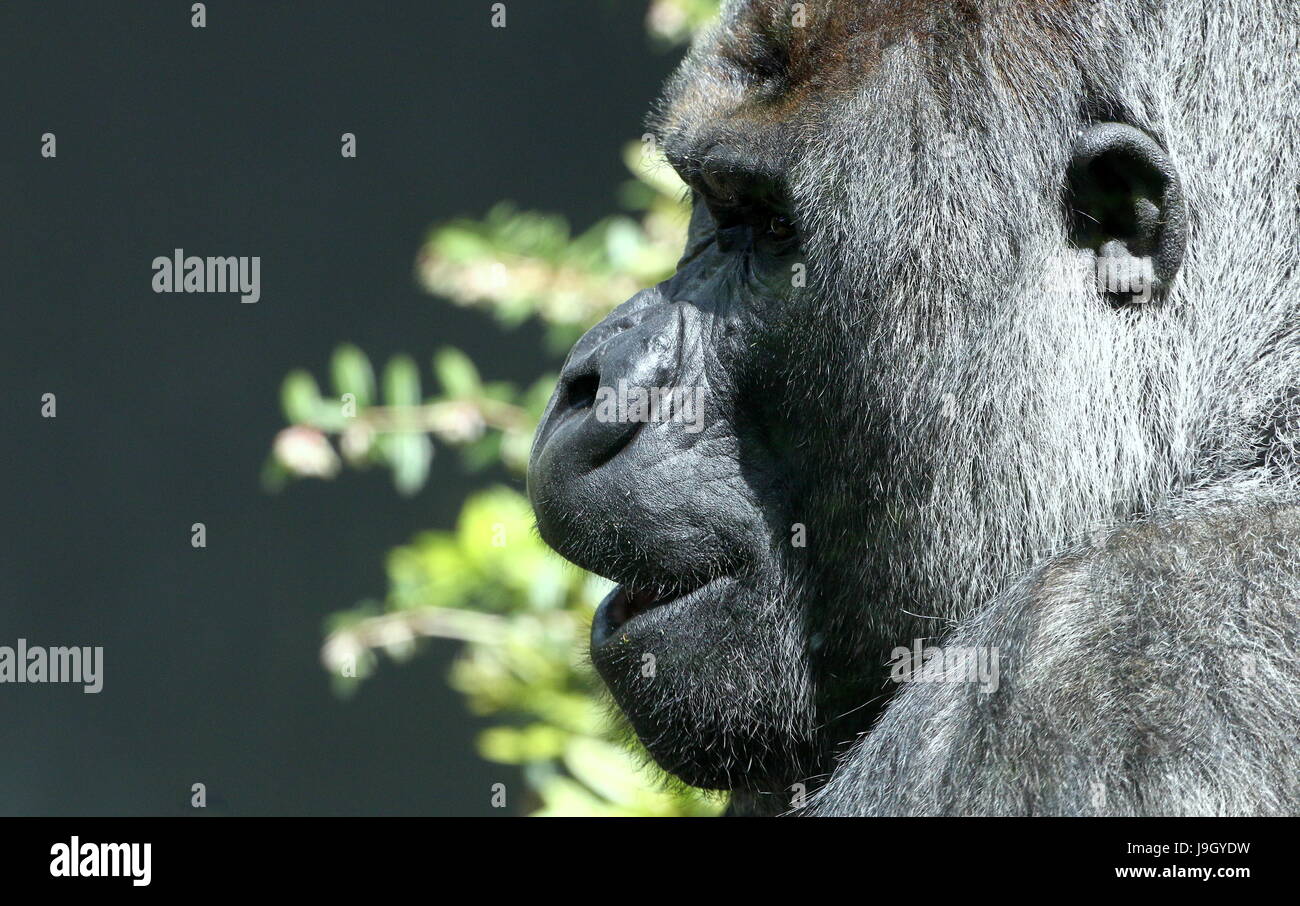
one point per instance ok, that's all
(964, 528)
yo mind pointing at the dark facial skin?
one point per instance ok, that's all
(699, 645)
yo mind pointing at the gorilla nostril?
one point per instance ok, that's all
(581, 392)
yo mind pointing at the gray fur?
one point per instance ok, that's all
(988, 455)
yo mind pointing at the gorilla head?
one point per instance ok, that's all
(898, 307)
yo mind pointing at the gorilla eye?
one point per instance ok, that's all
(780, 229)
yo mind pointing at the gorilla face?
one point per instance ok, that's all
(885, 394)
(683, 500)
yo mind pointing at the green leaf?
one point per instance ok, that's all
(623, 240)
(461, 242)
(300, 397)
(352, 373)
(482, 453)
(511, 745)
(274, 475)
(410, 455)
(457, 374)
(605, 769)
(401, 382)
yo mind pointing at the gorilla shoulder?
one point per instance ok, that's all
(1128, 668)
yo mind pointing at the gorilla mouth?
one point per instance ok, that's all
(625, 604)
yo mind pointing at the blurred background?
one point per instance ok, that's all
(372, 626)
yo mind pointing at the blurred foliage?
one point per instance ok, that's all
(519, 612)
(673, 22)
(519, 264)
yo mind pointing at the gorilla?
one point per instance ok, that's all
(968, 526)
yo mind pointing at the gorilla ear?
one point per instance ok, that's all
(1126, 204)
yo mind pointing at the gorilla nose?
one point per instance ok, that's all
(637, 346)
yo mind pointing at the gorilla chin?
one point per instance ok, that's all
(717, 722)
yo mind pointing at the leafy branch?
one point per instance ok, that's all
(519, 613)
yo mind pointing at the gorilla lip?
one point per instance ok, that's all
(624, 604)
(628, 602)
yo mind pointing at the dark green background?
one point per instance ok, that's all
(225, 141)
